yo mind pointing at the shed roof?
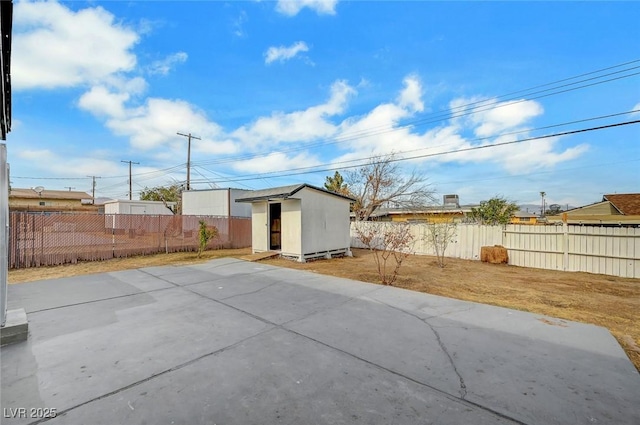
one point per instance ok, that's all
(284, 192)
(626, 203)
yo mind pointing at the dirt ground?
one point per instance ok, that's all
(607, 301)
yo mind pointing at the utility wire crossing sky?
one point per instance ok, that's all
(481, 98)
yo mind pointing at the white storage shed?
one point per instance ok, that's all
(216, 202)
(138, 207)
(299, 221)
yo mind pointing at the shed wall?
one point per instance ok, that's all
(325, 222)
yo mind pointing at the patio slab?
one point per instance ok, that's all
(235, 342)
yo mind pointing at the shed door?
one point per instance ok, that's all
(275, 211)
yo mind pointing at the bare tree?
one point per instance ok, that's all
(381, 182)
(439, 233)
(387, 240)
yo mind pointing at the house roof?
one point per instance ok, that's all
(626, 203)
(524, 214)
(48, 194)
(284, 192)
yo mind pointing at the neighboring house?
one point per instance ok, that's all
(299, 221)
(40, 199)
(215, 202)
(139, 207)
(523, 217)
(615, 209)
(450, 210)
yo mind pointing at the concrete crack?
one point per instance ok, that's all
(463, 386)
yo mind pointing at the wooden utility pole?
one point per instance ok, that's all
(93, 189)
(189, 136)
(130, 162)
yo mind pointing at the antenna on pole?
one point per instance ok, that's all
(188, 136)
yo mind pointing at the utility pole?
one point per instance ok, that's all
(93, 189)
(542, 194)
(130, 162)
(189, 136)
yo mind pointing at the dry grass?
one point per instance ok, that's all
(607, 301)
(89, 267)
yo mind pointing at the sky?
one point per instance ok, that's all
(286, 92)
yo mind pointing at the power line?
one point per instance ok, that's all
(289, 172)
(455, 112)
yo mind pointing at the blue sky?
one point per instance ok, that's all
(275, 86)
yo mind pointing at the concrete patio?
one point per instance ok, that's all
(235, 342)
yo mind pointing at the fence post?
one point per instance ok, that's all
(565, 242)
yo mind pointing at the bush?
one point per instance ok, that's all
(205, 234)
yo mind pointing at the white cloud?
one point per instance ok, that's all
(54, 46)
(163, 66)
(238, 25)
(411, 96)
(153, 125)
(156, 122)
(380, 132)
(292, 7)
(275, 161)
(79, 166)
(502, 116)
(636, 108)
(299, 126)
(283, 53)
(100, 101)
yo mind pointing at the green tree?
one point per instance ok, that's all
(165, 194)
(336, 184)
(497, 210)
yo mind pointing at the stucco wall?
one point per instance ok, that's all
(205, 202)
(239, 209)
(215, 202)
(325, 222)
(259, 227)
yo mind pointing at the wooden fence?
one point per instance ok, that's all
(606, 250)
(46, 239)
